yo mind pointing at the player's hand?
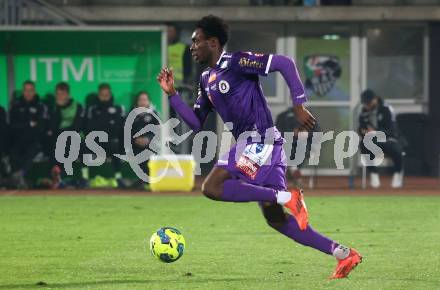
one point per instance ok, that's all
(166, 81)
(304, 118)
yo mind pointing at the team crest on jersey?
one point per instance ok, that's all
(223, 86)
(112, 110)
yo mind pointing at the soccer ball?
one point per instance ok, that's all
(167, 244)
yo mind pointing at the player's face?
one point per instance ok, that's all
(61, 97)
(200, 49)
(28, 92)
(104, 95)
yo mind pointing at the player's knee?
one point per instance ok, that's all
(211, 190)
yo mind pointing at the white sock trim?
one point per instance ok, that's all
(341, 252)
(283, 197)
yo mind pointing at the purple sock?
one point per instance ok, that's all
(308, 237)
(238, 191)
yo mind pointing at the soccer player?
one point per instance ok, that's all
(230, 85)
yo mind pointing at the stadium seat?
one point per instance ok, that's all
(415, 131)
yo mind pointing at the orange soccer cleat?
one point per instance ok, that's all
(298, 208)
(345, 266)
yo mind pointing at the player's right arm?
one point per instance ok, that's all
(195, 117)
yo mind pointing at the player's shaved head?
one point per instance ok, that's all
(213, 26)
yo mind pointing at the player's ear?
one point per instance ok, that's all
(213, 42)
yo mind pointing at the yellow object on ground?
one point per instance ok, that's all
(171, 172)
(102, 182)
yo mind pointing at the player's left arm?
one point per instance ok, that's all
(286, 66)
(263, 64)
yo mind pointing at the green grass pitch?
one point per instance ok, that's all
(97, 242)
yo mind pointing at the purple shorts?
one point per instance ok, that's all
(257, 163)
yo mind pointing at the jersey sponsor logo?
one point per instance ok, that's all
(223, 86)
(212, 78)
(247, 167)
(246, 62)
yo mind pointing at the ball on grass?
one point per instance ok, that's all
(167, 244)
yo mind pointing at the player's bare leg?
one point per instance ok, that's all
(212, 186)
(284, 223)
(219, 185)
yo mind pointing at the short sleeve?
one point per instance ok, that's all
(251, 63)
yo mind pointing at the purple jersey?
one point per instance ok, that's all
(232, 88)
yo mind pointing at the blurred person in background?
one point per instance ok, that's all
(143, 142)
(106, 116)
(68, 115)
(28, 118)
(179, 57)
(378, 116)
